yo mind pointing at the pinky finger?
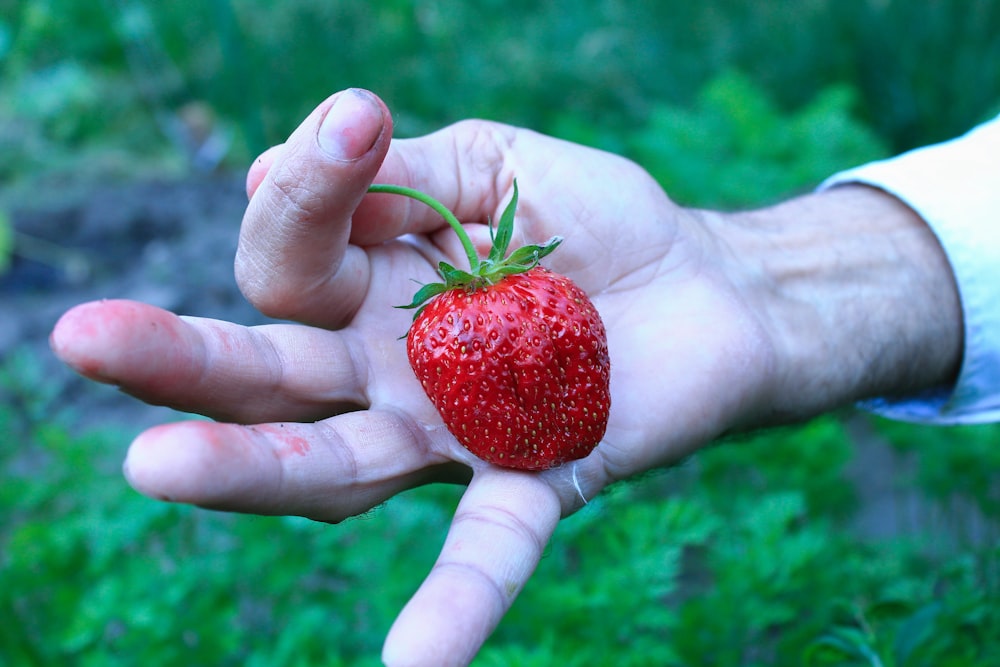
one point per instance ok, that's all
(258, 170)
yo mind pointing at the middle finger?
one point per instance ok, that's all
(216, 368)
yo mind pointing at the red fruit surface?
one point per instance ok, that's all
(518, 370)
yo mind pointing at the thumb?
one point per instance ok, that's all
(293, 250)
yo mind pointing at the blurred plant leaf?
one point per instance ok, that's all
(6, 241)
(842, 646)
(737, 148)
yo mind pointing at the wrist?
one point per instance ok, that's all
(856, 294)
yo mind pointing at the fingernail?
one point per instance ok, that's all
(351, 125)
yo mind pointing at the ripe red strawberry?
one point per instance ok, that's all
(513, 356)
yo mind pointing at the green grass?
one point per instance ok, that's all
(743, 555)
(109, 84)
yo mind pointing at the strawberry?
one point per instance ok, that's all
(513, 356)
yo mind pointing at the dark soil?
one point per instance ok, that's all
(167, 243)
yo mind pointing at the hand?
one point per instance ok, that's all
(335, 421)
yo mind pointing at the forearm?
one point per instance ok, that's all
(857, 295)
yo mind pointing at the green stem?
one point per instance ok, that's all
(449, 217)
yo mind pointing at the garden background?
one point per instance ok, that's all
(125, 130)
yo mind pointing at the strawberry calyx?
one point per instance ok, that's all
(482, 272)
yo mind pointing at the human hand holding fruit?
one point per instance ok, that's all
(336, 421)
(325, 419)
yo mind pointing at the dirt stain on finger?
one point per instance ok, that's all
(287, 443)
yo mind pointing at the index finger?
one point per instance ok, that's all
(329, 470)
(212, 367)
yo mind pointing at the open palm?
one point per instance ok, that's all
(324, 418)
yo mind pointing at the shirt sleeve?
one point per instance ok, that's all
(955, 187)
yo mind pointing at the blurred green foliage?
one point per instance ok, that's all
(122, 75)
(6, 240)
(735, 147)
(746, 554)
(742, 555)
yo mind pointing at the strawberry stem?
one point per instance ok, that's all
(482, 272)
(440, 208)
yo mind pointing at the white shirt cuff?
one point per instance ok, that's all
(955, 187)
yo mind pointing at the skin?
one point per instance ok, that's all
(716, 323)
